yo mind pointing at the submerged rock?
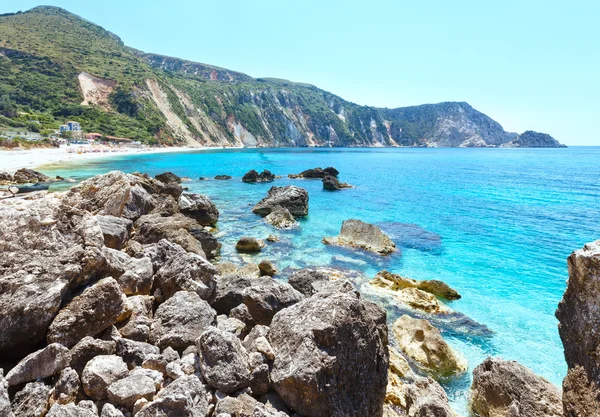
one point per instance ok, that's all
(295, 199)
(424, 344)
(358, 234)
(316, 359)
(281, 218)
(579, 328)
(253, 176)
(249, 245)
(417, 294)
(507, 388)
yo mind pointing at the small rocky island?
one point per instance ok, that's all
(114, 302)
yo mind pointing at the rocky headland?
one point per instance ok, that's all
(114, 302)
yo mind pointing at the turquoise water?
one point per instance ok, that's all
(496, 224)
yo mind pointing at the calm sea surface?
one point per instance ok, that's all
(496, 224)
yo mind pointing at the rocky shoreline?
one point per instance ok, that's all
(114, 302)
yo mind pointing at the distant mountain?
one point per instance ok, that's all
(531, 139)
(56, 66)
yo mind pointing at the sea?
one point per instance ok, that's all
(495, 224)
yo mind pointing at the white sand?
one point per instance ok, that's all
(12, 160)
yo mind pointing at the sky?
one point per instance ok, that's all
(528, 64)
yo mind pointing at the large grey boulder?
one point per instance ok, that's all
(304, 279)
(200, 208)
(208, 241)
(137, 326)
(125, 392)
(134, 353)
(174, 405)
(116, 230)
(194, 390)
(66, 386)
(266, 296)
(358, 234)
(97, 308)
(70, 410)
(425, 397)
(32, 400)
(180, 320)
(100, 373)
(134, 275)
(507, 388)
(87, 349)
(47, 249)
(187, 272)
(151, 228)
(224, 361)
(41, 364)
(579, 328)
(317, 359)
(281, 218)
(293, 198)
(229, 292)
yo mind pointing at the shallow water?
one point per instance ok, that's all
(496, 224)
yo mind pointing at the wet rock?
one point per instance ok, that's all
(424, 344)
(508, 388)
(100, 373)
(420, 300)
(253, 176)
(70, 410)
(66, 386)
(281, 218)
(116, 231)
(272, 239)
(223, 177)
(303, 280)
(439, 289)
(168, 177)
(331, 183)
(249, 245)
(224, 361)
(358, 234)
(316, 173)
(194, 390)
(267, 268)
(295, 199)
(579, 317)
(41, 364)
(180, 320)
(210, 244)
(27, 175)
(62, 247)
(316, 358)
(32, 401)
(152, 228)
(266, 296)
(410, 291)
(200, 208)
(88, 348)
(187, 272)
(134, 275)
(125, 392)
(97, 308)
(134, 353)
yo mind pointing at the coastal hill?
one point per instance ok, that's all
(56, 66)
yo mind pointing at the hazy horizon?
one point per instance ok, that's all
(528, 65)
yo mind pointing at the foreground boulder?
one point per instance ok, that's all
(187, 272)
(116, 231)
(100, 373)
(358, 234)
(304, 279)
(317, 360)
(97, 308)
(253, 176)
(41, 364)
(316, 173)
(152, 228)
(266, 296)
(200, 208)
(579, 317)
(295, 199)
(424, 344)
(135, 276)
(507, 388)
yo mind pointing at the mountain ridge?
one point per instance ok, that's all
(56, 65)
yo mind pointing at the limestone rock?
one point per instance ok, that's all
(135, 276)
(249, 245)
(231, 325)
(420, 300)
(303, 280)
(109, 410)
(116, 231)
(253, 176)
(229, 292)
(159, 253)
(70, 410)
(88, 348)
(358, 234)
(27, 175)
(439, 289)
(293, 198)
(331, 183)
(266, 296)
(168, 177)
(424, 344)
(32, 401)
(224, 360)
(5, 407)
(41, 364)
(125, 392)
(137, 327)
(425, 397)
(180, 320)
(267, 268)
(507, 388)
(200, 208)
(243, 405)
(317, 359)
(192, 388)
(187, 272)
(133, 352)
(281, 218)
(66, 386)
(100, 373)
(151, 228)
(579, 328)
(97, 308)
(316, 173)
(210, 244)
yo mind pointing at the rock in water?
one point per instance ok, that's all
(200, 208)
(253, 176)
(316, 173)
(295, 199)
(507, 388)
(97, 308)
(281, 218)
(223, 177)
(41, 364)
(249, 245)
(424, 344)
(27, 175)
(330, 359)
(579, 328)
(331, 183)
(356, 233)
(168, 177)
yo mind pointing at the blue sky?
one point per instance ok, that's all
(527, 64)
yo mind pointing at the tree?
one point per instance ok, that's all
(7, 107)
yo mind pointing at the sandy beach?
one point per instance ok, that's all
(12, 160)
